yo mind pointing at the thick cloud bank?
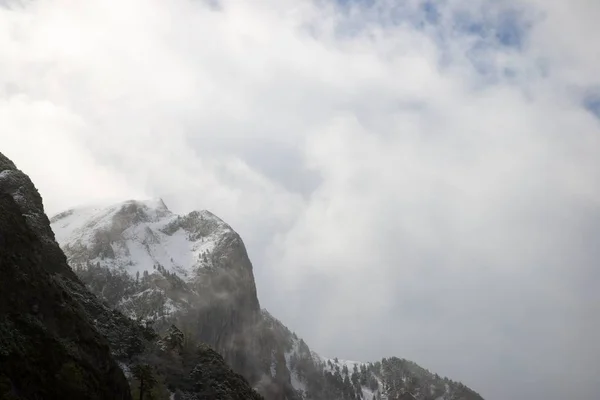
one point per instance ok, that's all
(419, 180)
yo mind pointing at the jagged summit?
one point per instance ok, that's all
(138, 235)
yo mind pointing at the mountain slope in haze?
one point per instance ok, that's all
(162, 269)
(318, 378)
(193, 272)
(58, 341)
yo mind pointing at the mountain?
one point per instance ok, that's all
(192, 273)
(58, 341)
(162, 269)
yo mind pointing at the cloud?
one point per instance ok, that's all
(416, 180)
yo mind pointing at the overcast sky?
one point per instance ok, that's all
(419, 180)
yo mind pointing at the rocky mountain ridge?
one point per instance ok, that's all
(193, 272)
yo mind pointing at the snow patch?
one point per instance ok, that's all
(273, 364)
(297, 383)
(141, 235)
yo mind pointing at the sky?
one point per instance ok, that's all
(417, 178)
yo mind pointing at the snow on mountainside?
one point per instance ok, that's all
(152, 264)
(318, 378)
(162, 269)
(193, 271)
(134, 236)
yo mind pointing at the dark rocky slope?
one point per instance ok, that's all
(211, 371)
(49, 349)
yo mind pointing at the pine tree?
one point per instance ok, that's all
(355, 378)
(363, 375)
(144, 374)
(174, 338)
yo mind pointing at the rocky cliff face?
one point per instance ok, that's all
(58, 341)
(49, 348)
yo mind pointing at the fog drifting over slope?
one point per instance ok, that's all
(418, 180)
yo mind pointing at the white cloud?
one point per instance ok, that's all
(446, 204)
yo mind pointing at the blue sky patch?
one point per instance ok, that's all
(485, 28)
(431, 12)
(591, 102)
(506, 28)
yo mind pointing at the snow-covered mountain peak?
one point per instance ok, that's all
(95, 216)
(136, 236)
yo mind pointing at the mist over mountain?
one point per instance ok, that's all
(414, 178)
(191, 274)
